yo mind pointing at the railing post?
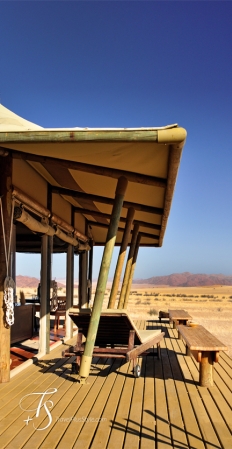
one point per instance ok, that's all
(102, 279)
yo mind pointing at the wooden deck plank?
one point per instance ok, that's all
(167, 393)
(66, 410)
(104, 428)
(224, 365)
(29, 432)
(223, 406)
(176, 423)
(119, 424)
(223, 433)
(87, 433)
(224, 387)
(11, 405)
(193, 433)
(132, 438)
(163, 434)
(13, 421)
(148, 423)
(207, 430)
(75, 426)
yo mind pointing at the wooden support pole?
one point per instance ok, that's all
(121, 258)
(83, 300)
(69, 290)
(128, 266)
(102, 279)
(132, 271)
(90, 275)
(5, 215)
(44, 335)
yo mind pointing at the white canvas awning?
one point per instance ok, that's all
(81, 167)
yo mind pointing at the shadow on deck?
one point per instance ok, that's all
(164, 408)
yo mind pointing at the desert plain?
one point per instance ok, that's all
(209, 306)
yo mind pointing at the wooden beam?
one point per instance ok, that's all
(81, 135)
(105, 200)
(97, 213)
(94, 169)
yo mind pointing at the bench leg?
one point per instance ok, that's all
(206, 369)
(175, 323)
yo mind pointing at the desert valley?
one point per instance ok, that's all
(208, 305)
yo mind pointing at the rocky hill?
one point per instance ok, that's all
(30, 282)
(187, 280)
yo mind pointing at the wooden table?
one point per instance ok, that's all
(179, 317)
(205, 348)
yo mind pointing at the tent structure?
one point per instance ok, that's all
(74, 188)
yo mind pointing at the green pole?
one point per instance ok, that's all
(132, 271)
(121, 257)
(128, 266)
(102, 279)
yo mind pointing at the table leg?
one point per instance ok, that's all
(206, 369)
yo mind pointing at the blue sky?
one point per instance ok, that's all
(134, 64)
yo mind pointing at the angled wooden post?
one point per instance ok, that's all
(121, 257)
(132, 271)
(102, 279)
(128, 266)
(5, 226)
(69, 290)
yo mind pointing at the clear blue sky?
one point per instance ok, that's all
(134, 64)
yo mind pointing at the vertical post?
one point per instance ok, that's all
(121, 257)
(13, 257)
(5, 215)
(132, 271)
(206, 369)
(128, 266)
(69, 290)
(90, 275)
(83, 280)
(44, 336)
(102, 279)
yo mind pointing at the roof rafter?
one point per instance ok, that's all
(105, 200)
(95, 169)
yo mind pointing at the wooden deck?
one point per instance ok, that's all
(164, 408)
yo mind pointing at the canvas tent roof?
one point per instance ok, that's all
(81, 167)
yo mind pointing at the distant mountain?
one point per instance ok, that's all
(187, 280)
(30, 282)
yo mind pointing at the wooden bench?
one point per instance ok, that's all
(163, 314)
(205, 348)
(179, 317)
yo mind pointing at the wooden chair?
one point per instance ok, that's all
(117, 337)
(59, 312)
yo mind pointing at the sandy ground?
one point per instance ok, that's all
(209, 306)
